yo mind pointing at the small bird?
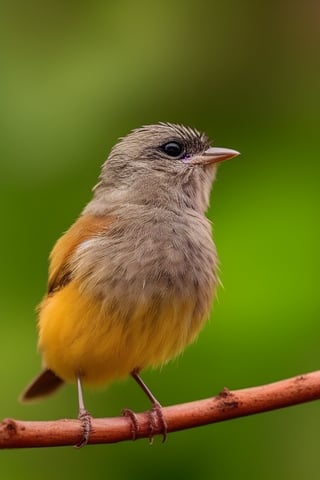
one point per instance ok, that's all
(132, 281)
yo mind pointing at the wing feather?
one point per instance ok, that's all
(86, 227)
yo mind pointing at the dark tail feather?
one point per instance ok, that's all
(42, 386)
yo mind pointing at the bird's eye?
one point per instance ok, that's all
(173, 149)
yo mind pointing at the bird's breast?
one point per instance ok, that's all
(154, 258)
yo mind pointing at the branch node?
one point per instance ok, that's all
(9, 427)
(225, 392)
(228, 399)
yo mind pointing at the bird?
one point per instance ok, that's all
(131, 283)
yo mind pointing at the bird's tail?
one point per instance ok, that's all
(43, 385)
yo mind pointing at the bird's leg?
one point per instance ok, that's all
(84, 416)
(155, 414)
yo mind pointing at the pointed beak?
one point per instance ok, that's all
(214, 155)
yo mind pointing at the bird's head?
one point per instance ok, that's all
(160, 158)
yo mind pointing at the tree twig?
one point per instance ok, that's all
(225, 406)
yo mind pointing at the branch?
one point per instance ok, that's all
(225, 406)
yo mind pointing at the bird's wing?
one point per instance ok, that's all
(84, 228)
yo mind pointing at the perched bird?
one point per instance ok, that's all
(132, 281)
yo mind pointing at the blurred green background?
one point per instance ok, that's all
(77, 75)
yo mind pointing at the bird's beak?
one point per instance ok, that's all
(214, 155)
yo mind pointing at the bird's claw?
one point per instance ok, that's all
(86, 424)
(157, 422)
(127, 412)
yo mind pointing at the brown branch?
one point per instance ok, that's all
(225, 406)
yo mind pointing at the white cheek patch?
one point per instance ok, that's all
(84, 256)
(87, 244)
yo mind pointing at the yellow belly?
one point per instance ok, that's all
(76, 335)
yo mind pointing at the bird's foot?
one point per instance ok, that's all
(157, 422)
(86, 425)
(127, 412)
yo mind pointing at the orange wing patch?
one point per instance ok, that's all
(84, 228)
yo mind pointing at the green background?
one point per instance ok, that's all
(77, 75)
